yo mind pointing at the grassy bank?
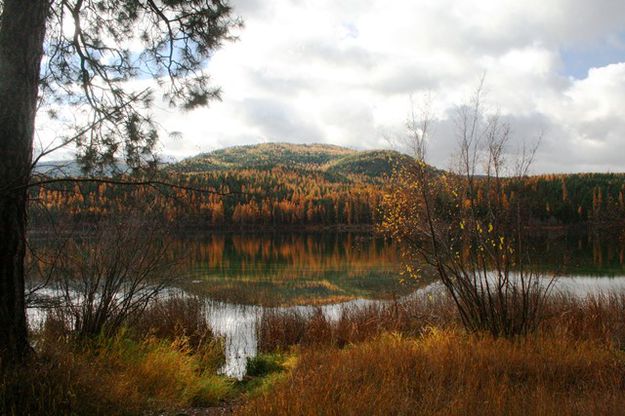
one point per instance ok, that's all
(164, 359)
(408, 358)
(447, 372)
(415, 359)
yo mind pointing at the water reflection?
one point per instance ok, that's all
(278, 270)
(286, 269)
(580, 252)
(299, 268)
(238, 325)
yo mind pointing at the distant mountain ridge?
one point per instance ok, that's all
(335, 161)
(332, 159)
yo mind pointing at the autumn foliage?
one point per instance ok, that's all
(277, 185)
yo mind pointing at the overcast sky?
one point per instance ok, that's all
(343, 72)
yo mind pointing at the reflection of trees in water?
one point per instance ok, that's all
(289, 255)
(596, 252)
(280, 269)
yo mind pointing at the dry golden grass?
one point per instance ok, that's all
(599, 317)
(128, 374)
(446, 372)
(178, 318)
(408, 358)
(278, 331)
(413, 358)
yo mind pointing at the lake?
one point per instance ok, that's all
(318, 268)
(243, 275)
(289, 269)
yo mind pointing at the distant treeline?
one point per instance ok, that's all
(224, 199)
(576, 198)
(282, 196)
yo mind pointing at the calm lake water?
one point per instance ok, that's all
(296, 269)
(243, 275)
(289, 269)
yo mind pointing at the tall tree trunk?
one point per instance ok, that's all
(22, 31)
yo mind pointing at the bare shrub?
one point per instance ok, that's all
(468, 225)
(109, 273)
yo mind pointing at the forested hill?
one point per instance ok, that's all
(335, 162)
(272, 184)
(278, 184)
(275, 184)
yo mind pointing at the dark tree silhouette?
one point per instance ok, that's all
(81, 55)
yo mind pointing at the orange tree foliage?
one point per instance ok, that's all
(281, 196)
(237, 198)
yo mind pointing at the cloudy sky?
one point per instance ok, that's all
(344, 72)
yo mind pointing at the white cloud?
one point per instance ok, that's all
(589, 127)
(343, 71)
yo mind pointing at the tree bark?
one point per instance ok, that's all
(22, 32)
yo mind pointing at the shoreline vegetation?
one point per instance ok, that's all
(411, 358)
(186, 230)
(284, 279)
(416, 359)
(553, 230)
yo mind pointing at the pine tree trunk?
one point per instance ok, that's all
(22, 31)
